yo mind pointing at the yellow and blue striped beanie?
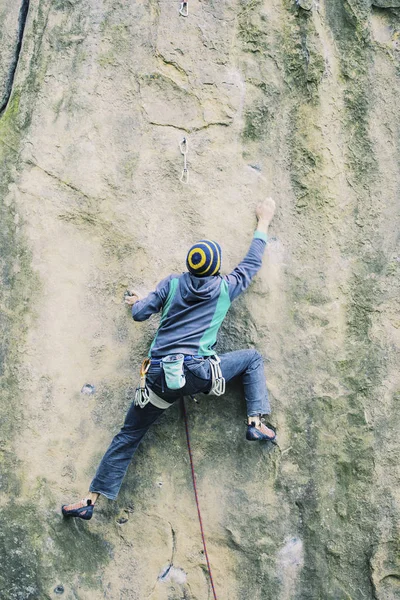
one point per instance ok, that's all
(204, 258)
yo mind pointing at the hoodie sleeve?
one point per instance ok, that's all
(241, 277)
(152, 304)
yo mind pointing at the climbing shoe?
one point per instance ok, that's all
(254, 433)
(82, 509)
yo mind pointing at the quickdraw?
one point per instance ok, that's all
(218, 381)
(184, 9)
(142, 394)
(183, 145)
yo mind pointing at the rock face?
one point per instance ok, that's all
(295, 100)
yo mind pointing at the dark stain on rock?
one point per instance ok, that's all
(23, 15)
(37, 551)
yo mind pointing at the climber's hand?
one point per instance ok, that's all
(265, 211)
(131, 298)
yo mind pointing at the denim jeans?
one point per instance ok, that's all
(247, 363)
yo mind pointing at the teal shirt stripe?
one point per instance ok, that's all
(210, 335)
(173, 286)
(260, 235)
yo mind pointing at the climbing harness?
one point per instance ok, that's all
(142, 393)
(218, 381)
(184, 150)
(196, 496)
(175, 379)
(184, 9)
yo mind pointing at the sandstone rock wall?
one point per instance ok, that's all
(295, 100)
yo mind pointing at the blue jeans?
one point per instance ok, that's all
(247, 363)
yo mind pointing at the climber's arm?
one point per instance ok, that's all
(143, 309)
(242, 275)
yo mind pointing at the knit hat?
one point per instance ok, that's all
(204, 258)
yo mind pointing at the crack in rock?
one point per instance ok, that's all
(170, 572)
(23, 16)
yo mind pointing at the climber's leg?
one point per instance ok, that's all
(249, 364)
(114, 463)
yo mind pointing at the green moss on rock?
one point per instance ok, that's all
(253, 27)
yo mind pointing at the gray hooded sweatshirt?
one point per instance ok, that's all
(193, 308)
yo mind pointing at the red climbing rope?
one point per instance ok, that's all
(197, 497)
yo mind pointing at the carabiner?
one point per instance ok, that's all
(183, 146)
(185, 176)
(184, 9)
(145, 366)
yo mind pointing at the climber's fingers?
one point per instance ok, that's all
(266, 209)
(131, 297)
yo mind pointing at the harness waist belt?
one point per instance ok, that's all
(156, 361)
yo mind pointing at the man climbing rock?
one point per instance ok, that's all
(182, 360)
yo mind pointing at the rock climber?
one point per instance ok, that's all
(182, 359)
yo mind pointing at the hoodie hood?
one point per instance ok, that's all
(196, 289)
